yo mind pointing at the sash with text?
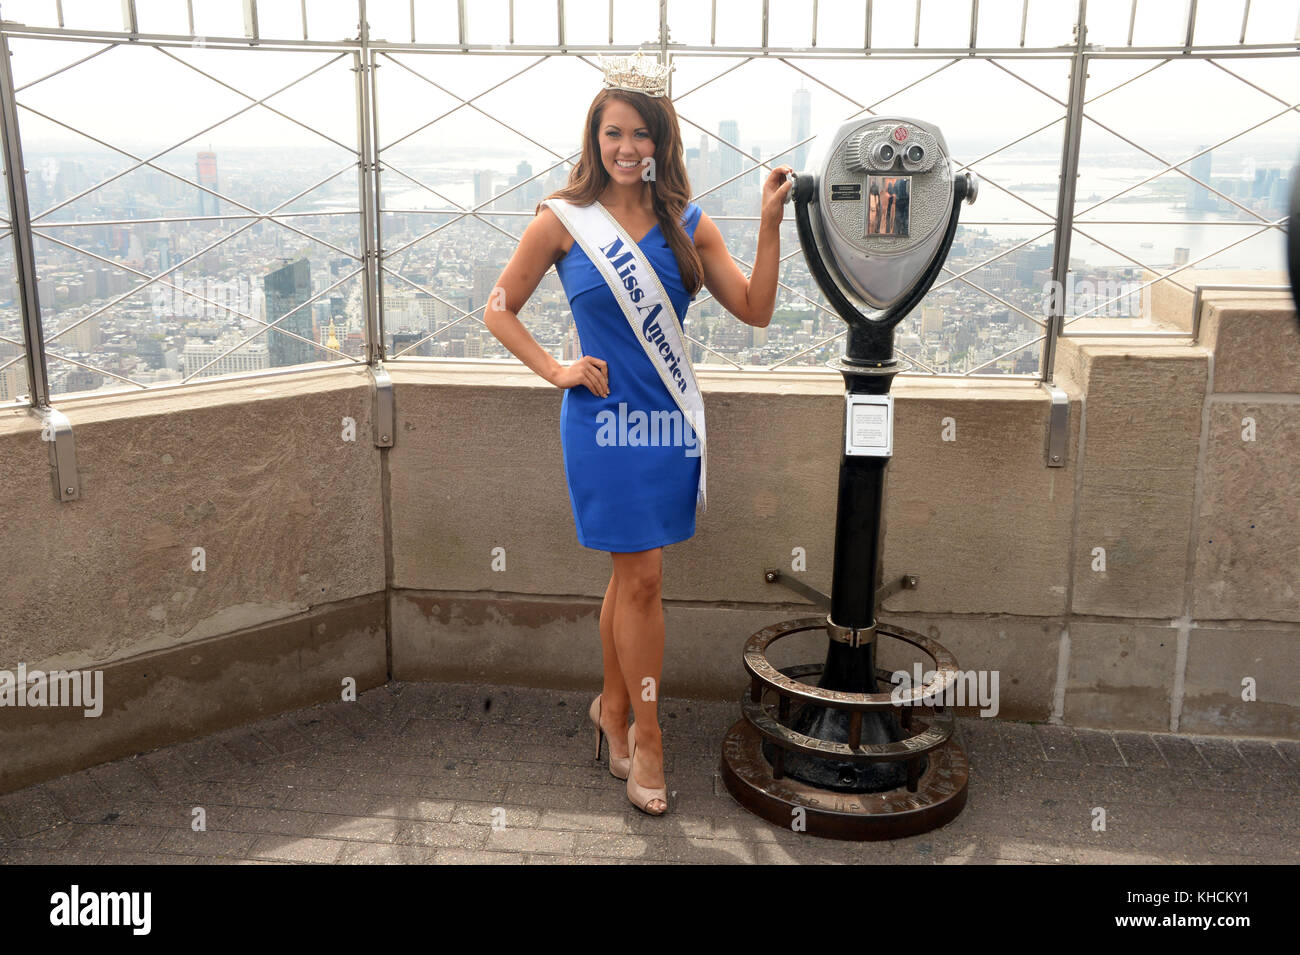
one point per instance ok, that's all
(646, 306)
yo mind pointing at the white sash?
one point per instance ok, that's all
(646, 305)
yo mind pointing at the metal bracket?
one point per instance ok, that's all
(57, 430)
(853, 636)
(906, 582)
(383, 405)
(798, 586)
(1058, 426)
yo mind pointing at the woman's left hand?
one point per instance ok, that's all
(775, 189)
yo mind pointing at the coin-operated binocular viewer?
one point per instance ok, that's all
(876, 211)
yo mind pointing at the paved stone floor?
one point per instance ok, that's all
(413, 773)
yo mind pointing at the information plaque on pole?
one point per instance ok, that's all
(869, 425)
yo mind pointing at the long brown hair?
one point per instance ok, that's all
(670, 187)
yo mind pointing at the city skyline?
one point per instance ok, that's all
(957, 328)
(452, 139)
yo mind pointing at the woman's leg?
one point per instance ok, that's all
(639, 638)
(614, 700)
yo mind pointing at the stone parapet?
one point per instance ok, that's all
(1150, 583)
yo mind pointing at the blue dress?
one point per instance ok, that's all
(631, 487)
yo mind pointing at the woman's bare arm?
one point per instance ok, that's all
(539, 247)
(753, 299)
(536, 253)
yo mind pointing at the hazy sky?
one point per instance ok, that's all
(840, 22)
(141, 98)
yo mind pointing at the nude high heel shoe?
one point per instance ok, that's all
(640, 796)
(619, 767)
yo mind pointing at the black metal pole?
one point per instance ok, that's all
(860, 503)
(868, 367)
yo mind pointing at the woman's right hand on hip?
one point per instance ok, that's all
(587, 370)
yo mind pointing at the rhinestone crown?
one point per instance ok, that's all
(638, 73)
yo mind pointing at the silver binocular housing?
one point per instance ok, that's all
(883, 191)
(875, 150)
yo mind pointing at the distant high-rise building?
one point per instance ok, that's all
(206, 168)
(1278, 196)
(1031, 260)
(729, 132)
(693, 171)
(572, 346)
(519, 197)
(800, 124)
(1181, 255)
(755, 179)
(13, 381)
(86, 337)
(250, 356)
(556, 180)
(482, 186)
(931, 319)
(286, 288)
(1264, 179)
(1198, 198)
(485, 277)
(69, 179)
(473, 344)
(163, 245)
(710, 163)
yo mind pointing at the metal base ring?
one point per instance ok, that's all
(939, 797)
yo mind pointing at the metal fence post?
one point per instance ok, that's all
(362, 65)
(38, 381)
(1065, 194)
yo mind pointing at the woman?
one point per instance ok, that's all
(631, 498)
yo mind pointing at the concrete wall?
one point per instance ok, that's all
(286, 602)
(332, 563)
